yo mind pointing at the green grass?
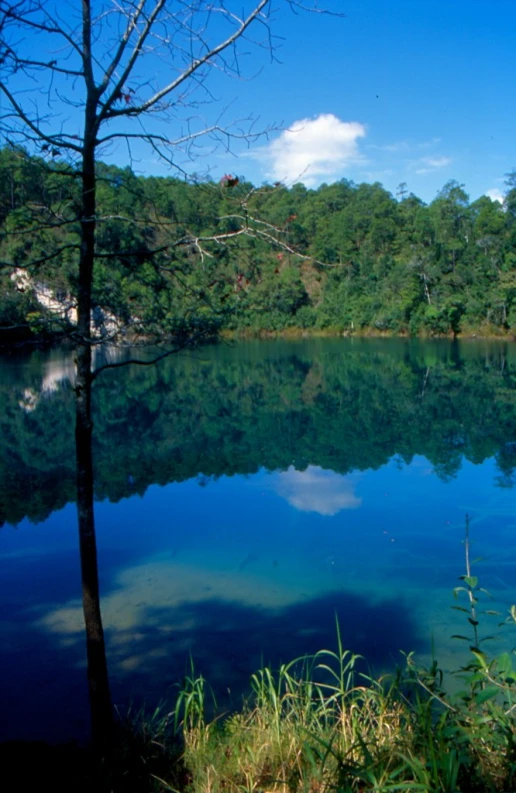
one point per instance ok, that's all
(318, 728)
(317, 725)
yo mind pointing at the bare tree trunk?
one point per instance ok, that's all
(425, 381)
(98, 681)
(427, 291)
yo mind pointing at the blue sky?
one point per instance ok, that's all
(395, 91)
(429, 87)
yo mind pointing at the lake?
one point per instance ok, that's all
(247, 495)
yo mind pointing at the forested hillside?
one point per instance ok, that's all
(343, 257)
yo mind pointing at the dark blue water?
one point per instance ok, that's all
(246, 497)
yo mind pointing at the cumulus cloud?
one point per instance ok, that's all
(429, 164)
(316, 490)
(313, 150)
(495, 195)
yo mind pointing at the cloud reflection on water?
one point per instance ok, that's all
(316, 490)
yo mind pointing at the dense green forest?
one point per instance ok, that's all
(343, 257)
(343, 405)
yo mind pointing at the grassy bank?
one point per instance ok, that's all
(325, 728)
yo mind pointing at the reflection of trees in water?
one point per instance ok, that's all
(333, 404)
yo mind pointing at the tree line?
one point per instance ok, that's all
(342, 257)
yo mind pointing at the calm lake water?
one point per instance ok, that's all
(245, 496)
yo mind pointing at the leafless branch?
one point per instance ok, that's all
(194, 66)
(52, 140)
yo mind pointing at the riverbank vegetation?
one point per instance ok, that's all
(327, 727)
(343, 258)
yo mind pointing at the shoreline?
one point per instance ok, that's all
(286, 334)
(364, 333)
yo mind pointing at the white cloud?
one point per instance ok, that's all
(495, 195)
(430, 164)
(316, 490)
(313, 150)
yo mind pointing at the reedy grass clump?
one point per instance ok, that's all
(304, 732)
(310, 727)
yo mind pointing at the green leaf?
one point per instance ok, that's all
(485, 694)
(459, 636)
(479, 655)
(504, 664)
(470, 580)
(472, 680)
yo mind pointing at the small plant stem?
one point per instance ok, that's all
(471, 596)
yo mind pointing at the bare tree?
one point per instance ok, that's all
(79, 78)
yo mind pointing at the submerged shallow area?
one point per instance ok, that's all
(246, 496)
